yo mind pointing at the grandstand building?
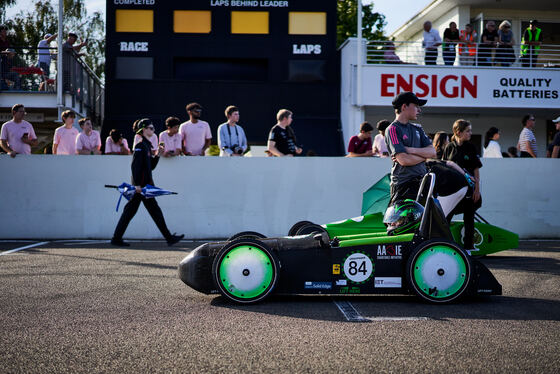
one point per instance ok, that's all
(486, 95)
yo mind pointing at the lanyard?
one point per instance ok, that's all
(229, 133)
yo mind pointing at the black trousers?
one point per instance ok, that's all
(130, 210)
(431, 56)
(468, 207)
(406, 190)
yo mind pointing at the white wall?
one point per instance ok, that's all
(47, 197)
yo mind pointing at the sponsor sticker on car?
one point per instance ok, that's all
(318, 285)
(388, 282)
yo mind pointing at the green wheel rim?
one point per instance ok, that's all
(246, 272)
(440, 272)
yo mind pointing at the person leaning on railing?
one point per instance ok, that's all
(505, 56)
(530, 44)
(467, 49)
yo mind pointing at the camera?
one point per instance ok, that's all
(237, 149)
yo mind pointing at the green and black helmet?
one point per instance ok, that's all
(403, 217)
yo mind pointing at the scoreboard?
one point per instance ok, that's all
(259, 55)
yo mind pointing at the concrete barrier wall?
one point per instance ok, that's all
(48, 197)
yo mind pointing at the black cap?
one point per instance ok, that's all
(533, 22)
(407, 98)
(143, 123)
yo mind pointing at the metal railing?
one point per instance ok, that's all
(462, 54)
(22, 72)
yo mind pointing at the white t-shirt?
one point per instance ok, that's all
(194, 136)
(44, 51)
(380, 145)
(12, 133)
(525, 136)
(430, 38)
(493, 150)
(66, 140)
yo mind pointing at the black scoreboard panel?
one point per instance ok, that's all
(261, 56)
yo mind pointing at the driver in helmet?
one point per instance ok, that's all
(403, 216)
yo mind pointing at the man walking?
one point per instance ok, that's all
(409, 147)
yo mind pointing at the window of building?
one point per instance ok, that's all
(135, 68)
(134, 20)
(307, 23)
(192, 21)
(249, 22)
(307, 71)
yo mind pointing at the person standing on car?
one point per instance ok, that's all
(282, 139)
(231, 137)
(409, 147)
(143, 162)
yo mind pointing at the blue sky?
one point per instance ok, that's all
(396, 12)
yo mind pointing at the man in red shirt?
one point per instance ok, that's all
(361, 145)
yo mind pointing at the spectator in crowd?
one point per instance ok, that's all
(88, 142)
(116, 144)
(492, 148)
(505, 55)
(527, 144)
(44, 52)
(409, 147)
(431, 43)
(9, 79)
(450, 40)
(467, 47)
(556, 140)
(282, 139)
(488, 42)
(389, 55)
(195, 133)
(64, 141)
(379, 145)
(137, 138)
(231, 137)
(440, 141)
(530, 44)
(17, 135)
(463, 153)
(512, 152)
(170, 139)
(70, 50)
(143, 162)
(361, 145)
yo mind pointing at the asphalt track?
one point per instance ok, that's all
(79, 306)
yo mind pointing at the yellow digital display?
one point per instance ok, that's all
(249, 22)
(307, 23)
(192, 21)
(134, 20)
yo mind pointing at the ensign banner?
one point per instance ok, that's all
(464, 87)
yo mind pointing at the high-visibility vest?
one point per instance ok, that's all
(525, 47)
(470, 46)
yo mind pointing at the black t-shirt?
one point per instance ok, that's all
(491, 37)
(451, 35)
(285, 140)
(463, 155)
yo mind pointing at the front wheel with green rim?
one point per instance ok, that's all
(245, 270)
(439, 271)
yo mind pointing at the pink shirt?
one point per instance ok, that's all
(12, 133)
(89, 143)
(194, 136)
(153, 140)
(66, 140)
(111, 147)
(172, 143)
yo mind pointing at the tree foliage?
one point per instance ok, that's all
(28, 27)
(372, 22)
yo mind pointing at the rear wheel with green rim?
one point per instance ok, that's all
(245, 270)
(439, 271)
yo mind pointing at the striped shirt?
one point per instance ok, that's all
(525, 136)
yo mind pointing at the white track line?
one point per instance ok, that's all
(22, 248)
(352, 315)
(349, 312)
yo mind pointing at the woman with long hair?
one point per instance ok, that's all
(464, 154)
(440, 141)
(492, 148)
